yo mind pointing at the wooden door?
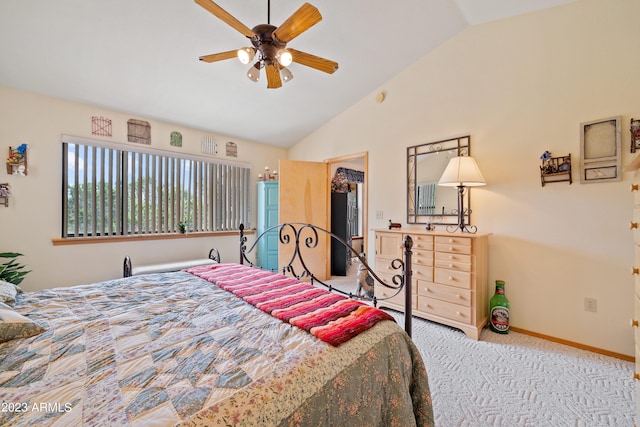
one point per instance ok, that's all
(304, 197)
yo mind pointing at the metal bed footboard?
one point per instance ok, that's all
(302, 235)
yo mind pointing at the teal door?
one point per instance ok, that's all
(268, 217)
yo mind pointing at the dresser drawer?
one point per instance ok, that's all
(632, 188)
(422, 258)
(382, 292)
(383, 265)
(454, 249)
(453, 240)
(421, 242)
(445, 256)
(634, 225)
(459, 279)
(446, 293)
(445, 309)
(636, 312)
(422, 273)
(453, 265)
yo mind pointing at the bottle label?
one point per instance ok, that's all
(500, 318)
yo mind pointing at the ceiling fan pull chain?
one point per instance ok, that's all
(269, 12)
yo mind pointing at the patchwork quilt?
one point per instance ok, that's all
(174, 349)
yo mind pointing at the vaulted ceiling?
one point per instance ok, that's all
(141, 57)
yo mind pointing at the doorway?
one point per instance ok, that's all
(356, 162)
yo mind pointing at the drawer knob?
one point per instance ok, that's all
(634, 323)
(451, 278)
(458, 313)
(635, 270)
(458, 296)
(633, 225)
(450, 265)
(636, 376)
(634, 187)
(450, 256)
(450, 248)
(451, 240)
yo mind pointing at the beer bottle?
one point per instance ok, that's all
(499, 310)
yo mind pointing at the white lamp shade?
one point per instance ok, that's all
(462, 171)
(284, 57)
(286, 74)
(246, 54)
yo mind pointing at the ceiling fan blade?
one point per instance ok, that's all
(226, 17)
(299, 22)
(273, 77)
(219, 56)
(313, 61)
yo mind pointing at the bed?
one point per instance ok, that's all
(225, 344)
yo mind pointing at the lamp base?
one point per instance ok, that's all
(461, 226)
(472, 229)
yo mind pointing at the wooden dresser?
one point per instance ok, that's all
(635, 270)
(449, 276)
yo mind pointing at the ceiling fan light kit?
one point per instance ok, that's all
(246, 54)
(269, 44)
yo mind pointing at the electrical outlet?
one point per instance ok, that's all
(591, 305)
(379, 215)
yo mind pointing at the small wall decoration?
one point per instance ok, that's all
(600, 150)
(176, 139)
(17, 160)
(555, 169)
(208, 145)
(100, 126)
(232, 149)
(139, 131)
(5, 192)
(634, 128)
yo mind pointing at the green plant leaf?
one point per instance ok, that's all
(12, 271)
(10, 254)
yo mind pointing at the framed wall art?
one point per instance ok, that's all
(634, 128)
(600, 150)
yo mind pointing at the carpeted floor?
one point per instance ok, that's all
(518, 380)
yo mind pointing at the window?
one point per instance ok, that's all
(111, 189)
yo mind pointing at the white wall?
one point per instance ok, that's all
(34, 215)
(521, 86)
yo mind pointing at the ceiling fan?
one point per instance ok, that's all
(270, 44)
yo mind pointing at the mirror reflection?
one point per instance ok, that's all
(426, 201)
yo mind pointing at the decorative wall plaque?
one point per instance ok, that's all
(139, 131)
(600, 150)
(176, 139)
(232, 149)
(100, 126)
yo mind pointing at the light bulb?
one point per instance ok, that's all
(286, 74)
(284, 57)
(246, 54)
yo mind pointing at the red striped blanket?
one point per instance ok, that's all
(330, 317)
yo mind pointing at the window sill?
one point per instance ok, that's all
(141, 237)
